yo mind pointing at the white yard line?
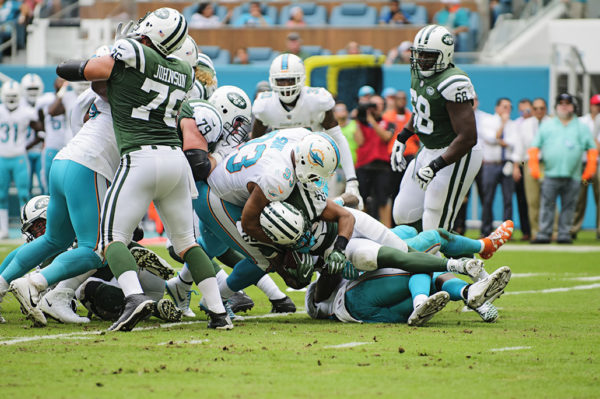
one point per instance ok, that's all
(510, 348)
(590, 278)
(347, 345)
(552, 290)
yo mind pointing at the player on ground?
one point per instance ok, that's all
(438, 179)
(291, 104)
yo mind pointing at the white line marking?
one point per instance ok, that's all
(510, 348)
(530, 274)
(551, 290)
(551, 248)
(590, 278)
(347, 345)
(190, 341)
(81, 334)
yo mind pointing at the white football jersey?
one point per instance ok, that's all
(265, 161)
(13, 130)
(57, 132)
(308, 112)
(30, 132)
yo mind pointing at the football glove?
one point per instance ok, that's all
(304, 264)
(424, 176)
(397, 158)
(352, 188)
(350, 272)
(124, 32)
(336, 261)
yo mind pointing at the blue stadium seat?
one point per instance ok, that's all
(364, 49)
(313, 14)
(217, 54)
(315, 50)
(353, 14)
(415, 13)
(261, 55)
(220, 11)
(269, 11)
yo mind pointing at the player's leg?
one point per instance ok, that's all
(35, 167)
(21, 175)
(5, 178)
(408, 204)
(48, 157)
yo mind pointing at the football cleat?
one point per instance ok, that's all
(424, 312)
(240, 302)
(497, 238)
(283, 305)
(471, 267)
(137, 307)
(28, 296)
(181, 294)
(488, 289)
(147, 259)
(166, 310)
(219, 321)
(204, 308)
(57, 304)
(488, 312)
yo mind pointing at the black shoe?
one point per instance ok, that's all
(564, 241)
(166, 310)
(240, 302)
(219, 321)
(541, 241)
(137, 307)
(283, 305)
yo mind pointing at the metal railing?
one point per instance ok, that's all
(12, 40)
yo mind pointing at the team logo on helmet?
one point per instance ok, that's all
(41, 203)
(448, 39)
(162, 13)
(237, 100)
(429, 90)
(316, 156)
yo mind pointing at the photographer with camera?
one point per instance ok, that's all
(372, 160)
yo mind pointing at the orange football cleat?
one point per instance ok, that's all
(497, 238)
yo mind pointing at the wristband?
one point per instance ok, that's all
(438, 164)
(340, 243)
(352, 179)
(404, 135)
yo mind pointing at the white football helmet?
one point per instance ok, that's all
(11, 94)
(188, 52)
(236, 109)
(287, 76)
(432, 50)
(316, 158)
(166, 28)
(283, 223)
(33, 217)
(32, 87)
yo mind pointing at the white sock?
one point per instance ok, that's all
(224, 289)
(185, 275)
(39, 281)
(418, 300)
(4, 220)
(129, 283)
(455, 266)
(221, 276)
(74, 282)
(268, 286)
(482, 246)
(3, 286)
(210, 294)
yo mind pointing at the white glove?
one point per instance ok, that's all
(424, 176)
(352, 188)
(397, 159)
(124, 32)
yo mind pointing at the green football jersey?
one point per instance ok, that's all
(429, 95)
(145, 92)
(208, 120)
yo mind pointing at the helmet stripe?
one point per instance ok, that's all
(276, 224)
(429, 33)
(284, 62)
(177, 36)
(335, 148)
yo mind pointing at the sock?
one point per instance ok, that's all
(129, 283)
(268, 286)
(418, 300)
(230, 258)
(120, 260)
(74, 282)
(244, 274)
(211, 295)
(455, 266)
(457, 245)
(221, 276)
(216, 266)
(199, 264)
(413, 262)
(185, 275)
(454, 287)
(419, 286)
(482, 246)
(70, 264)
(3, 285)
(39, 281)
(4, 220)
(226, 292)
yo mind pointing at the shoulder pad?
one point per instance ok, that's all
(276, 186)
(457, 88)
(208, 120)
(130, 52)
(320, 98)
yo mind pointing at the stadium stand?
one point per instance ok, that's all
(267, 10)
(417, 14)
(353, 14)
(217, 54)
(261, 55)
(314, 15)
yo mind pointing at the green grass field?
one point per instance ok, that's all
(544, 345)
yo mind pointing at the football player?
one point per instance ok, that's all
(15, 120)
(291, 104)
(437, 180)
(145, 89)
(33, 89)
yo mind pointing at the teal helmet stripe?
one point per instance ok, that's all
(284, 62)
(335, 147)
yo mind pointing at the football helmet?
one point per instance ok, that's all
(11, 94)
(283, 223)
(33, 217)
(316, 158)
(432, 50)
(166, 28)
(287, 76)
(188, 52)
(32, 87)
(236, 110)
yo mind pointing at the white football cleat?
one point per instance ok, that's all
(58, 304)
(28, 296)
(489, 288)
(181, 294)
(424, 312)
(488, 312)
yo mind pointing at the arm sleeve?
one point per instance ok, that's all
(345, 154)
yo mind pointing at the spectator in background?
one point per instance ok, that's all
(394, 16)
(454, 17)
(576, 8)
(562, 141)
(296, 18)
(293, 45)
(205, 17)
(254, 17)
(9, 12)
(497, 8)
(364, 96)
(588, 120)
(389, 95)
(261, 86)
(400, 54)
(373, 168)
(348, 126)
(241, 56)
(496, 168)
(352, 48)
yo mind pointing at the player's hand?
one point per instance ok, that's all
(304, 264)
(352, 188)
(424, 176)
(397, 159)
(304, 243)
(124, 31)
(335, 261)
(349, 272)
